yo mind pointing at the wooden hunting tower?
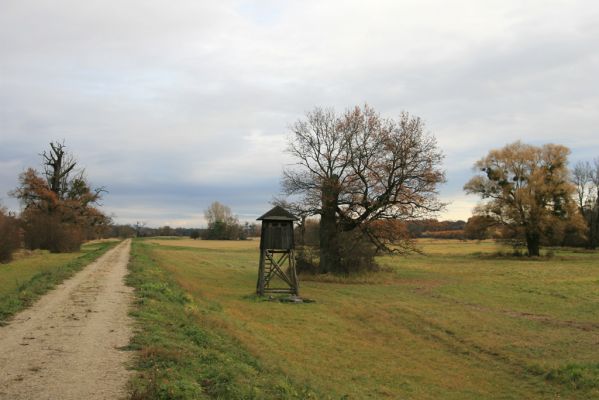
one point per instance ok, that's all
(277, 261)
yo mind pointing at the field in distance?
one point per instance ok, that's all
(456, 323)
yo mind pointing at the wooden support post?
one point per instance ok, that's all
(260, 283)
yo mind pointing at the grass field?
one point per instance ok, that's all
(456, 323)
(23, 280)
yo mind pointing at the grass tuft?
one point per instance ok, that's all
(576, 376)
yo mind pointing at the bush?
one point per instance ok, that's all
(220, 230)
(10, 236)
(357, 252)
(48, 232)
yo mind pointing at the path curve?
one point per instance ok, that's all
(66, 346)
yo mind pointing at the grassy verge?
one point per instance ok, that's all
(184, 351)
(24, 280)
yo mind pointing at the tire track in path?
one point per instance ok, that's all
(66, 346)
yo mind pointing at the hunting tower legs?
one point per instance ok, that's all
(277, 264)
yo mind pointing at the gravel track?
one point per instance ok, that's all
(67, 345)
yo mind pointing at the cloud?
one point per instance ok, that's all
(174, 105)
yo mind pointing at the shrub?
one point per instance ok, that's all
(221, 230)
(356, 255)
(10, 236)
(48, 232)
(357, 252)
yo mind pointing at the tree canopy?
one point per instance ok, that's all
(358, 167)
(59, 206)
(527, 188)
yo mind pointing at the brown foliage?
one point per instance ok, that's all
(58, 208)
(10, 235)
(48, 232)
(479, 227)
(424, 227)
(450, 234)
(390, 235)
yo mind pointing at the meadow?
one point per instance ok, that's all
(457, 322)
(33, 273)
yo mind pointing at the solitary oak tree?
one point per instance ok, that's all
(528, 189)
(59, 206)
(357, 168)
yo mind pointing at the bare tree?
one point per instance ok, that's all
(58, 166)
(139, 228)
(586, 179)
(356, 168)
(218, 212)
(222, 224)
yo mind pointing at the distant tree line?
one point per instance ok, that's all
(139, 230)
(222, 225)
(433, 228)
(129, 231)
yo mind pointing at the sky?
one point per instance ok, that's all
(174, 105)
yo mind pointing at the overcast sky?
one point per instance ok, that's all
(172, 105)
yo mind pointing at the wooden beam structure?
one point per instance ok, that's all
(277, 258)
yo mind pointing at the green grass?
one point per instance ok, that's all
(25, 279)
(456, 323)
(182, 351)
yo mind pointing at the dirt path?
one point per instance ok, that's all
(67, 345)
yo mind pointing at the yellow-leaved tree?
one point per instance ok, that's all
(528, 189)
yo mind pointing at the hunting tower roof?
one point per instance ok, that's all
(278, 213)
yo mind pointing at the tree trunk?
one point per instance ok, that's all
(593, 228)
(330, 260)
(533, 240)
(302, 231)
